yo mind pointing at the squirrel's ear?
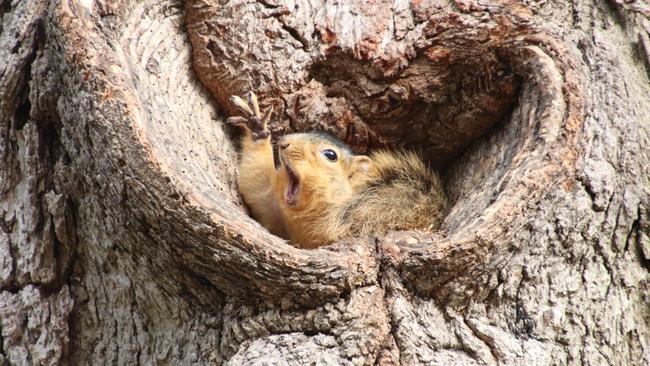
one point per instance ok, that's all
(361, 164)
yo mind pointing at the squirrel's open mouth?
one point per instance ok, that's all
(291, 195)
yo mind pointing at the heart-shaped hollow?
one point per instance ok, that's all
(436, 80)
(173, 167)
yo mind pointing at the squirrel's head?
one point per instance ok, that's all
(317, 169)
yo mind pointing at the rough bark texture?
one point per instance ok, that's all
(123, 239)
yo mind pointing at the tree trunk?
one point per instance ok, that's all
(123, 238)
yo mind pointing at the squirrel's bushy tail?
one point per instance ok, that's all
(402, 194)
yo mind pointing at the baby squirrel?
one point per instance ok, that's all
(322, 192)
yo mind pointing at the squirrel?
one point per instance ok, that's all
(321, 192)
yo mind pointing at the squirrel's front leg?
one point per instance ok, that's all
(257, 173)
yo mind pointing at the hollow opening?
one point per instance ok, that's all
(454, 103)
(448, 87)
(459, 113)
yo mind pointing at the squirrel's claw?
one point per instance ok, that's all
(252, 121)
(237, 121)
(267, 115)
(241, 105)
(252, 101)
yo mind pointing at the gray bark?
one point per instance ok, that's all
(123, 239)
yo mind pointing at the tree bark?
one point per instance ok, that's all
(123, 238)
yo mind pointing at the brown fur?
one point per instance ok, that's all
(401, 194)
(352, 196)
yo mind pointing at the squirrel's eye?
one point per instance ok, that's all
(330, 154)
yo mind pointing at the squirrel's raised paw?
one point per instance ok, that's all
(252, 120)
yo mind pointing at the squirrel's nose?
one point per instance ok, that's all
(283, 144)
